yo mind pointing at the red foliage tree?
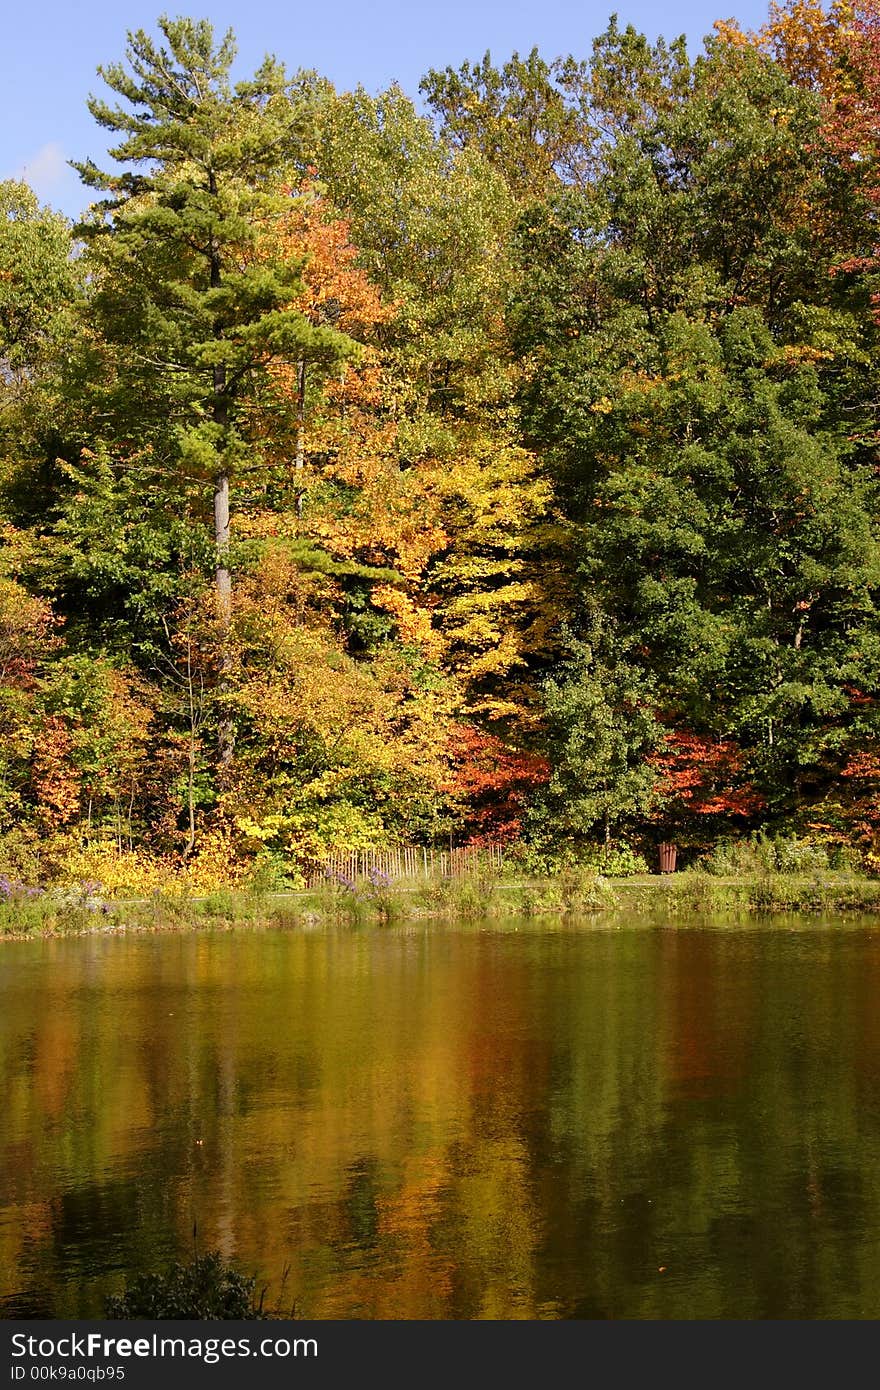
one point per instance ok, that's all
(701, 782)
(490, 784)
(861, 806)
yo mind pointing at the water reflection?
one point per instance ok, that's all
(438, 1123)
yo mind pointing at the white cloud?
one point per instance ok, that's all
(48, 173)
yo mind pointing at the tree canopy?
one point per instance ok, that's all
(506, 473)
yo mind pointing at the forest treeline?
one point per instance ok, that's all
(499, 466)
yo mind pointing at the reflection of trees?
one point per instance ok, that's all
(449, 1124)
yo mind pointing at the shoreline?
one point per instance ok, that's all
(464, 900)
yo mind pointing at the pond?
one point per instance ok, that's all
(510, 1121)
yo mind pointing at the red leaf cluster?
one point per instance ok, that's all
(860, 801)
(491, 782)
(703, 777)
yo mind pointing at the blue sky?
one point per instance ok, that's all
(51, 48)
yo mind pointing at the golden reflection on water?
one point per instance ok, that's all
(537, 1122)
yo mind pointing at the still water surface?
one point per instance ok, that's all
(521, 1121)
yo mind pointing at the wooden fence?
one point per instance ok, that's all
(403, 862)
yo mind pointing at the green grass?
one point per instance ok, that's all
(694, 890)
(571, 894)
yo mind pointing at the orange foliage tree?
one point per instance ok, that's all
(33, 746)
(702, 785)
(490, 784)
(343, 489)
(807, 39)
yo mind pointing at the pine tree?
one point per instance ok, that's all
(195, 308)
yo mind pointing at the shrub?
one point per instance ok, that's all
(23, 857)
(765, 854)
(474, 895)
(274, 872)
(616, 860)
(206, 1289)
(573, 891)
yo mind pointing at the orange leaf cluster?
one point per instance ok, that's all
(55, 782)
(703, 777)
(334, 286)
(491, 782)
(807, 40)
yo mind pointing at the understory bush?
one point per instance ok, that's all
(615, 860)
(23, 857)
(206, 1289)
(474, 895)
(769, 854)
(697, 893)
(572, 891)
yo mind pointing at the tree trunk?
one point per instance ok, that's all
(223, 586)
(300, 452)
(191, 770)
(299, 458)
(222, 576)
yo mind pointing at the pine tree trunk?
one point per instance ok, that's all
(222, 576)
(300, 454)
(223, 586)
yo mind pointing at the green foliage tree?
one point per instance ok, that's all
(191, 309)
(601, 729)
(518, 117)
(38, 278)
(694, 374)
(41, 283)
(432, 227)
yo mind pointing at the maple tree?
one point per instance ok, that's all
(861, 779)
(27, 638)
(702, 784)
(491, 785)
(807, 39)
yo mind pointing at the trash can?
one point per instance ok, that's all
(668, 855)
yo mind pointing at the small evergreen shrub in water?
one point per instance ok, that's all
(206, 1289)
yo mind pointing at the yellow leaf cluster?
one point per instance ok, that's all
(807, 39)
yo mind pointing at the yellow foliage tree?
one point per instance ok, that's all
(807, 39)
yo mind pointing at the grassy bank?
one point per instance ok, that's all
(470, 898)
(695, 891)
(570, 894)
